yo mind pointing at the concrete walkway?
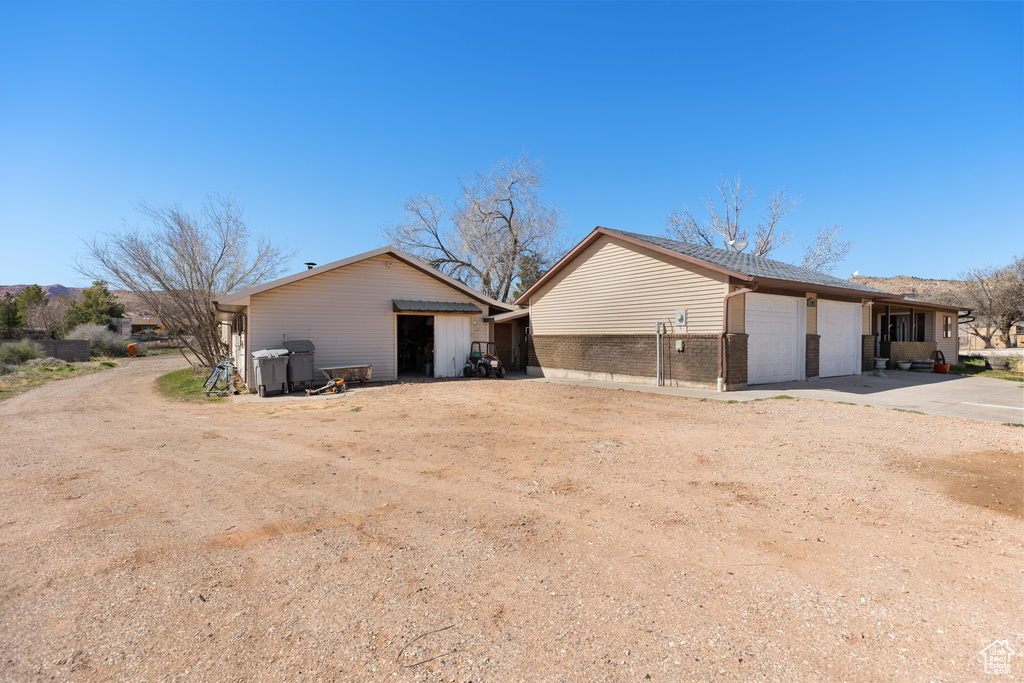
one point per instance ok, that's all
(975, 398)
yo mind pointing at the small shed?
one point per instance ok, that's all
(383, 308)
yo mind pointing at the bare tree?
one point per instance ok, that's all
(995, 296)
(827, 249)
(52, 316)
(723, 222)
(182, 263)
(482, 239)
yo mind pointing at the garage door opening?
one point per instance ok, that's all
(776, 338)
(416, 345)
(839, 327)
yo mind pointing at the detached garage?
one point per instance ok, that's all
(383, 308)
(627, 307)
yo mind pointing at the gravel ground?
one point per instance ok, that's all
(499, 530)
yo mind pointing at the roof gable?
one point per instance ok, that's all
(747, 264)
(242, 296)
(735, 264)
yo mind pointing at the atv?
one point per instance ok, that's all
(483, 360)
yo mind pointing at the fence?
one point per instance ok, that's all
(71, 350)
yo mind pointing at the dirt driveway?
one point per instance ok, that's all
(499, 530)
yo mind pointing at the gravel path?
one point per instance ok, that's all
(499, 530)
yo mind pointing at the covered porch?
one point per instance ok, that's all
(908, 330)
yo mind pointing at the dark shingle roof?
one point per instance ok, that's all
(746, 264)
(436, 306)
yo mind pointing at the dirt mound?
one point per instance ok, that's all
(916, 287)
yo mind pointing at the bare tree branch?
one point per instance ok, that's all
(723, 222)
(51, 316)
(480, 240)
(767, 235)
(182, 263)
(827, 249)
(995, 296)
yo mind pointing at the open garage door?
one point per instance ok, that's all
(776, 338)
(452, 339)
(839, 324)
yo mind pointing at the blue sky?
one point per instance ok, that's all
(903, 121)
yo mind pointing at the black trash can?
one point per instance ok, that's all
(300, 364)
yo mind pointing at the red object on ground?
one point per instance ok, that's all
(131, 350)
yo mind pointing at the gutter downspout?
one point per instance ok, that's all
(658, 371)
(725, 329)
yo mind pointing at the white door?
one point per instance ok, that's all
(776, 337)
(452, 339)
(839, 324)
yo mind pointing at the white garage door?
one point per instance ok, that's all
(776, 328)
(452, 339)
(839, 324)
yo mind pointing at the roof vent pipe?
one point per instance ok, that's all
(309, 265)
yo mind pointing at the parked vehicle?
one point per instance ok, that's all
(483, 361)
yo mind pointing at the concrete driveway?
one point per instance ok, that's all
(975, 398)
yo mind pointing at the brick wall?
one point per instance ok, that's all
(634, 355)
(735, 361)
(71, 350)
(813, 347)
(867, 352)
(908, 351)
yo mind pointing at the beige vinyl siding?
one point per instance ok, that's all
(737, 312)
(482, 332)
(812, 313)
(950, 347)
(614, 287)
(348, 314)
(932, 326)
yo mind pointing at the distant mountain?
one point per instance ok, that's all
(923, 289)
(49, 290)
(132, 304)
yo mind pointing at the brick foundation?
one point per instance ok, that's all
(895, 351)
(867, 352)
(635, 356)
(813, 347)
(735, 361)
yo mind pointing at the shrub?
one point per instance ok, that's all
(49, 361)
(16, 354)
(103, 342)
